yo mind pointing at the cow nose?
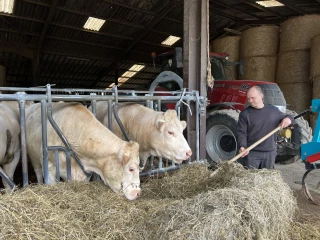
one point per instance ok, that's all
(189, 153)
(136, 193)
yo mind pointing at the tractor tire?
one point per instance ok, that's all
(302, 133)
(221, 136)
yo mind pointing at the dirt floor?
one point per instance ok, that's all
(292, 175)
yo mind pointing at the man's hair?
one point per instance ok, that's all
(258, 89)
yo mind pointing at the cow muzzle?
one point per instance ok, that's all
(131, 191)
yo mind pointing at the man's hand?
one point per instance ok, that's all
(285, 122)
(245, 152)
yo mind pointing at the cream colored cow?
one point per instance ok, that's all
(98, 149)
(158, 133)
(9, 141)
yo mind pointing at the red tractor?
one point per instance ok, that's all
(226, 99)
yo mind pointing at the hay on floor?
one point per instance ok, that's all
(236, 204)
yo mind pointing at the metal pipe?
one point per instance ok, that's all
(68, 162)
(94, 105)
(7, 179)
(159, 105)
(115, 112)
(60, 134)
(110, 114)
(157, 171)
(23, 143)
(44, 141)
(56, 154)
(197, 129)
(67, 98)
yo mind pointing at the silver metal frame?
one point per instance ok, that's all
(91, 95)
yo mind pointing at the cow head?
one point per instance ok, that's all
(171, 143)
(125, 172)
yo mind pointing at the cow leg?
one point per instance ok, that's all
(10, 167)
(37, 169)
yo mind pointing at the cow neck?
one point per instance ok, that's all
(97, 136)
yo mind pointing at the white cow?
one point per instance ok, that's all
(14, 106)
(99, 150)
(9, 141)
(158, 133)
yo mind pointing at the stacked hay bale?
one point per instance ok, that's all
(293, 67)
(231, 46)
(315, 74)
(258, 50)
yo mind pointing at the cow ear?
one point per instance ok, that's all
(160, 125)
(184, 124)
(125, 159)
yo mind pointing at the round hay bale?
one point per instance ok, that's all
(313, 120)
(298, 95)
(259, 41)
(296, 33)
(315, 57)
(293, 67)
(231, 46)
(316, 87)
(259, 68)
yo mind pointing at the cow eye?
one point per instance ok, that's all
(131, 169)
(171, 133)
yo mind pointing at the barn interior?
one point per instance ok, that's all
(47, 41)
(97, 44)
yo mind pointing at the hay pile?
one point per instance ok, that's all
(259, 48)
(236, 204)
(231, 46)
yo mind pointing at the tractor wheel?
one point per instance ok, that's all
(302, 133)
(221, 141)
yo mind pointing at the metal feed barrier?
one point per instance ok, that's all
(47, 95)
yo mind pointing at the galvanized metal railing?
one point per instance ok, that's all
(47, 95)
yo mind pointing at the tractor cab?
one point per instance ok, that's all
(173, 61)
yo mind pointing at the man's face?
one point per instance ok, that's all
(255, 98)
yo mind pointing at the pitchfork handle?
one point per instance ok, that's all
(255, 144)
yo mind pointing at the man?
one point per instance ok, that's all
(255, 122)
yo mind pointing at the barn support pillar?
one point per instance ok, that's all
(195, 57)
